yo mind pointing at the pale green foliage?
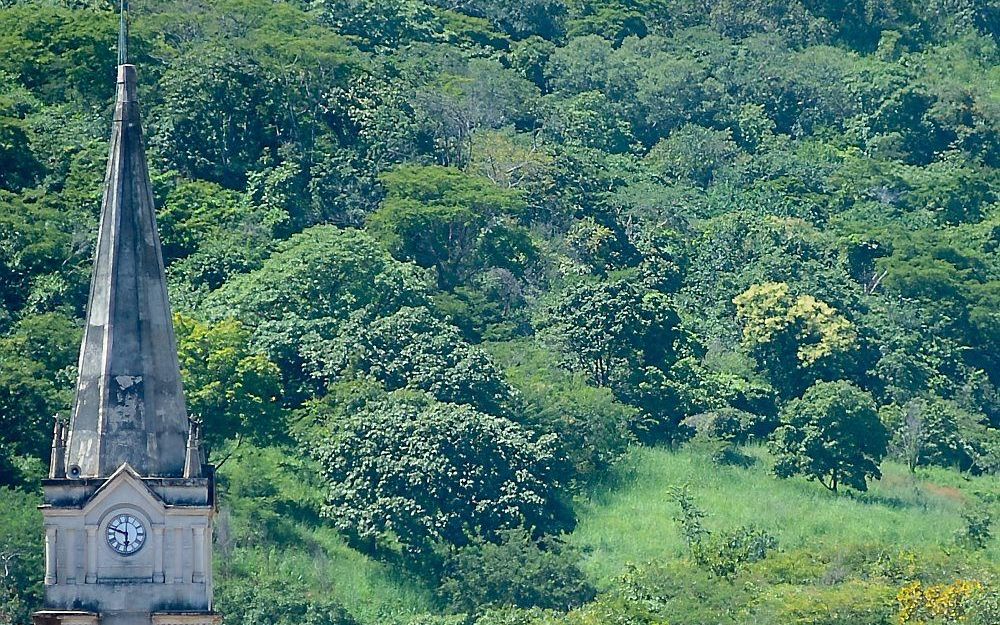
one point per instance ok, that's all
(694, 153)
(984, 607)
(510, 161)
(323, 272)
(977, 522)
(589, 120)
(926, 431)
(581, 65)
(449, 221)
(591, 426)
(233, 390)
(724, 553)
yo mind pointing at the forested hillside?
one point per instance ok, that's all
(540, 312)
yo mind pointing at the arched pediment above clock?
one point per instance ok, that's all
(124, 487)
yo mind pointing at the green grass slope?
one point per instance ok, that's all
(270, 535)
(633, 522)
(850, 552)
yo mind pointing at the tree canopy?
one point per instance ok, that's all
(480, 252)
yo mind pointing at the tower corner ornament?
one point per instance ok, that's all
(129, 502)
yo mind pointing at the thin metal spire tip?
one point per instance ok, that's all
(123, 34)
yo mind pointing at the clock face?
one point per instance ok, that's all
(126, 534)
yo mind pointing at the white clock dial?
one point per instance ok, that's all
(126, 534)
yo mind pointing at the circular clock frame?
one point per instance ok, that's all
(125, 533)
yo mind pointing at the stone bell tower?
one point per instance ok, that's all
(130, 500)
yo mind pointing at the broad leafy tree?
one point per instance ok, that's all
(21, 555)
(411, 349)
(795, 339)
(831, 434)
(412, 472)
(454, 223)
(610, 327)
(322, 272)
(37, 375)
(927, 433)
(592, 427)
(312, 284)
(235, 392)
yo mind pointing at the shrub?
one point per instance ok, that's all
(720, 432)
(513, 616)
(724, 553)
(984, 606)
(941, 603)
(610, 609)
(591, 426)
(728, 424)
(854, 602)
(265, 601)
(677, 593)
(976, 531)
(729, 551)
(926, 432)
(518, 571)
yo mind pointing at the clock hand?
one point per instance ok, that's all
(121, 532)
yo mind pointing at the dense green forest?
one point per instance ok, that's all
(540, 312)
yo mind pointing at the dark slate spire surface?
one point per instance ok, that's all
(129, 403)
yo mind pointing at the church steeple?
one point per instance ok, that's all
(129, 405)
(129, 503)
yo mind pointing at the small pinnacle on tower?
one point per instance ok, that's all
(57, 462)
(193, 460)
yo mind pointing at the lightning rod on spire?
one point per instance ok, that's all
(123, 34)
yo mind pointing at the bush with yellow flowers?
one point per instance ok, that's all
(940, 603)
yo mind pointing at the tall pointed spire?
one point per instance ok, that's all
(129, 403)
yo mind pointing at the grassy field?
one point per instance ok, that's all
(634, 520)
(630, 520)
(327, 569)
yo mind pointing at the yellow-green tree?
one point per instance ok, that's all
(236, 391)
(796, 339)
